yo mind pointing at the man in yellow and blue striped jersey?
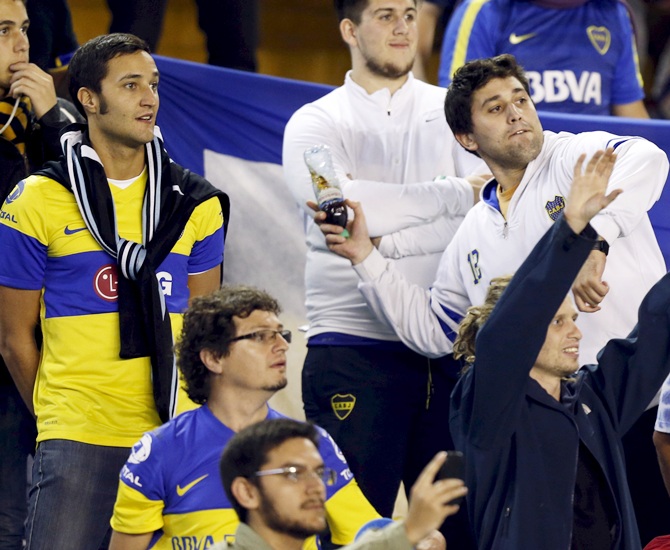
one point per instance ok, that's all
(106, 247)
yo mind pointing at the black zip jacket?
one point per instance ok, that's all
(521, 445)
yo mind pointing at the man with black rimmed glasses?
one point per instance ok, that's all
(232, 355)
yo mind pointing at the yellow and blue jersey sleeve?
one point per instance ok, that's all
(24, 236)
(205, 230)
(134, 513)
(347, 509)
(140, 500)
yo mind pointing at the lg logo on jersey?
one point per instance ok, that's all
(106, 283)
(165, 280)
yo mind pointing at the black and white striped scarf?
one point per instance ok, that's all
(171, 195)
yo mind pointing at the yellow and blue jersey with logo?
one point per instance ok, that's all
(84, 391)
(171, 485)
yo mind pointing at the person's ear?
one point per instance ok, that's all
(246, 493)
(468, 141)
(348, 31)
(213, 361)
(89, 101)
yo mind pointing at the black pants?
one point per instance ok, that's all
(51, 34)
(231, 27)
(143, 18)
(17, 441)
(389, 412)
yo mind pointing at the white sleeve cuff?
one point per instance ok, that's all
(372, 267)
(606, 227)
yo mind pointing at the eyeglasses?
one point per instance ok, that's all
(302, 474)
(265, 336)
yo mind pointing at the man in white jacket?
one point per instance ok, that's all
(385, 405)
(531, 171)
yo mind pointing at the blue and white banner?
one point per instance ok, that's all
(229, 125)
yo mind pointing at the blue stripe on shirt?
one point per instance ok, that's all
(26, 269)
(449, 332)
(617, 142)
(207, 253)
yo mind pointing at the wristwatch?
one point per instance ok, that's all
(603, 246)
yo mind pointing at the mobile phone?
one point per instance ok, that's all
(453, 467)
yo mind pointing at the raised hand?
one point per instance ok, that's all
(587, 194)
(31, 81)
(429, 500)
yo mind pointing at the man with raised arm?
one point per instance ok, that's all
(542, 436)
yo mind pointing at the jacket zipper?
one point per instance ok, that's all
(572, 494)
(506, 518)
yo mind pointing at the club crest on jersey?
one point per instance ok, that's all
(342, 404)
(105, 283)
(600, 37)
(555, 207)
(16, 192)
(141, 450)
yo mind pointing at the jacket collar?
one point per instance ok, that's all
(247, 538)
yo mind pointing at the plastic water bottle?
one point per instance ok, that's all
(326, 185)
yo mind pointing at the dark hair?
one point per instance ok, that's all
(353, 9)
(88, 66)
(468, 79)
(350, 9)
(208, 324)
(248, 450)
(476, 316)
